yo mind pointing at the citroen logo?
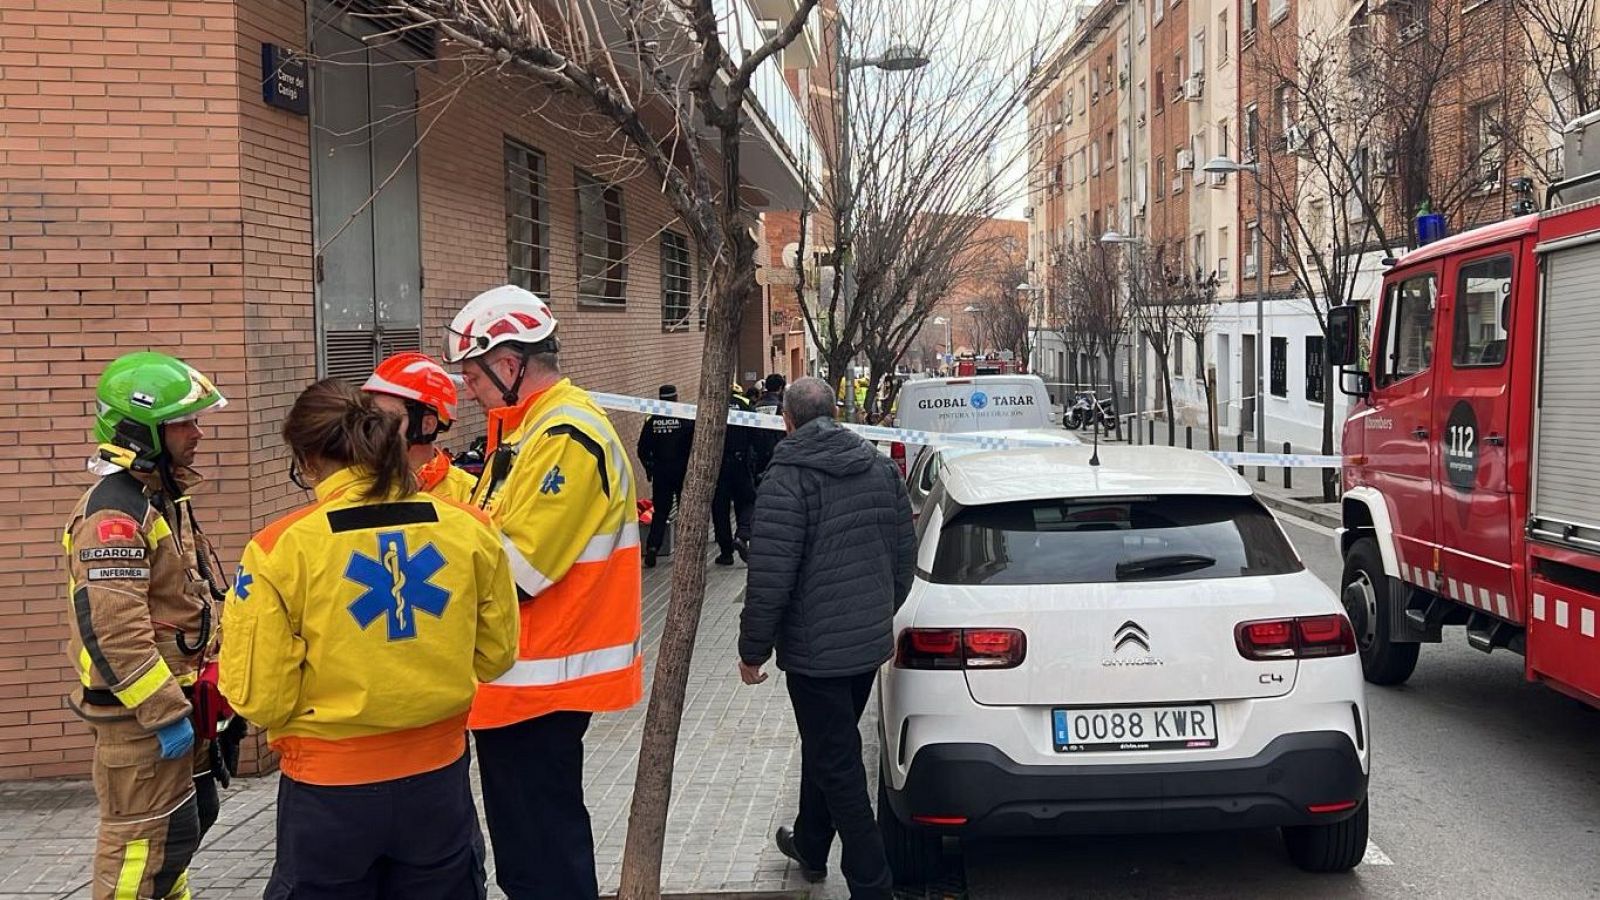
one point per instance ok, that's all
(1127, 633)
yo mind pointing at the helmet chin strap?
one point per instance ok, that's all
(512, 394)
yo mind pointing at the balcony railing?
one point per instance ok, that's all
(742, 34)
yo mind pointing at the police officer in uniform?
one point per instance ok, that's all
(144, 587)
(664, 453)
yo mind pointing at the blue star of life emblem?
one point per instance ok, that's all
(553, 481)
(241, 583)
(397, 585)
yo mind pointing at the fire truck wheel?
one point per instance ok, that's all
(1335, 847)
(1369, 599)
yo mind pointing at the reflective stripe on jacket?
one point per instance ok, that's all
(559, 486)
(359, 630)
(134, 591)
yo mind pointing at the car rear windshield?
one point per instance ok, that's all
(1104, 540)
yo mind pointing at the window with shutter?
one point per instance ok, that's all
(677, 282)
(1315, 391)
(527, 219)
(1280, 367)
(602, 261)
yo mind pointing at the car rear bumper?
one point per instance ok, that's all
(999, 797)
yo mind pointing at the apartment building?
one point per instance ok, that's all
(154, 196)
(1226, 78)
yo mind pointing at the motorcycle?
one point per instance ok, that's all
(1090, 411)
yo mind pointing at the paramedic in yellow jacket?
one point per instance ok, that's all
(362, 625)
(559, 487)
(423, 395)
(142, 590)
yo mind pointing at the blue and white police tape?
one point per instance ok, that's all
(978, 440)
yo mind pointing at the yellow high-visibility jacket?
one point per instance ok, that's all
(359, 630)
(559, 487)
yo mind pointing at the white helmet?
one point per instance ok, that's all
(497, 316)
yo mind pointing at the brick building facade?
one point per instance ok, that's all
(150, 198)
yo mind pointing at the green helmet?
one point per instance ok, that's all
(140, 392)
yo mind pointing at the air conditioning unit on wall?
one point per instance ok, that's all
(1193, 87)
(1185, 160)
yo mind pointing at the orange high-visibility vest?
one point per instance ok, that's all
(559, 486)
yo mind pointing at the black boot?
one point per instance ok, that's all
(724, 558)
(649, 559)
(785, 841)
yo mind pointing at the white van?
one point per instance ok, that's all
(973, 403)
(976, 403)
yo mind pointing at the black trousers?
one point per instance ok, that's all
(406, 838)
(833, 781)
(664, 495)
(533, 798)
(734, 500)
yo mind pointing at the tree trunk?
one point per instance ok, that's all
(837, 365)
(1166, 390)
(1211, 407)
(652, 784)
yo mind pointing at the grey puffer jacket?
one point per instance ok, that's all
(831, 556)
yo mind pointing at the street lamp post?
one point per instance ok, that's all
(897, 58)
(977, 330)
(1135, 352)
(1222, 165)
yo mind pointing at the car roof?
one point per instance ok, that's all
(951, 451)
(1042, 473)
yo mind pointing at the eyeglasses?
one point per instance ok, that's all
(296, 476)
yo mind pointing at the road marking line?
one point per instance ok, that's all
(1375, 856)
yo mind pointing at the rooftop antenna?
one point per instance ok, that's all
(1094, 459)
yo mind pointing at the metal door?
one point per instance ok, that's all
(1247, 385)
(1471, 425)
(369, 265)
(1224, 380)
(1399, 429)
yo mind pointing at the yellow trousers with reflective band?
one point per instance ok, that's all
(149, 821)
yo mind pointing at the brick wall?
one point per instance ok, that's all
(119, 230)
(148, 198)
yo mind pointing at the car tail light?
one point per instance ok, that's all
(897, 452)
(944, 821)
(1306, 637)
(1320, 809)
(960, 648)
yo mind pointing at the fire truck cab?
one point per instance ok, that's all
(1472, 454)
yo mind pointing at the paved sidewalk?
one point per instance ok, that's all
(736, 780)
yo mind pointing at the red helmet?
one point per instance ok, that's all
(415, 377)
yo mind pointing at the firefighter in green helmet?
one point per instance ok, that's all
(144, 596)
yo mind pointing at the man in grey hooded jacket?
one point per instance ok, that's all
(832, 557)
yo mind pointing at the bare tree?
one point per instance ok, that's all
(930, 152)
(1561, 40)
(1094, 309)
(1196, 298)
(672, 87)
(1154, 276)
(1356, 141)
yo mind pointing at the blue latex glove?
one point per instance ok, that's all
(176, 739)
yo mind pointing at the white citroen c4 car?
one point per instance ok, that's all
(1132, 646)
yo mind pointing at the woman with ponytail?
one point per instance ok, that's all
(358, 629)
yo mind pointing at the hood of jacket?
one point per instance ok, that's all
(824, 445)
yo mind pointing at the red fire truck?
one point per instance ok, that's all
(1472, 455)
(967, 366)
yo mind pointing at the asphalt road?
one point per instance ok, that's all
(1482, 786)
